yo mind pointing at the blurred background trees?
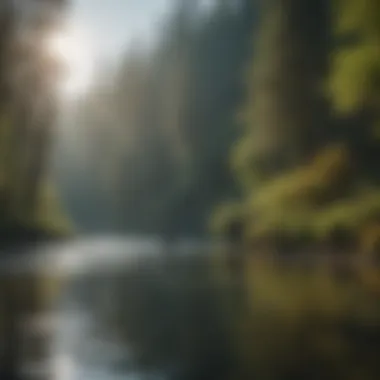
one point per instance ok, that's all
(29, 97)
(270, 109)
(167, 121)
(259, 117)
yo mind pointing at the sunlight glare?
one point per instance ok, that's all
(73, 49)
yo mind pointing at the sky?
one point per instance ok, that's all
(112, 24)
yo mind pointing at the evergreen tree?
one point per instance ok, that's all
(285, 117)
(29, 78)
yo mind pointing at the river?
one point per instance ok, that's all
(80, 351)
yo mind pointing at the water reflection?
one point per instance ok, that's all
(83, 349)
(136, 310)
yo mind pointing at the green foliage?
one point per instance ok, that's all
(355, 84)
(225, 217)
(356, 65)
(50, 215)
(303, 169)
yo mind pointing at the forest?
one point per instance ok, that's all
(257, 122)
(268, 124)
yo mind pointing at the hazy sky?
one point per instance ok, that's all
(111, 24)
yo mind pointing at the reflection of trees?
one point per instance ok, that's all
(182, 317)
(167, 312)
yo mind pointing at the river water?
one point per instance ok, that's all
(79, 355)
(79, 351)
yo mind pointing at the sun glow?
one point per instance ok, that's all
(73, 49)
